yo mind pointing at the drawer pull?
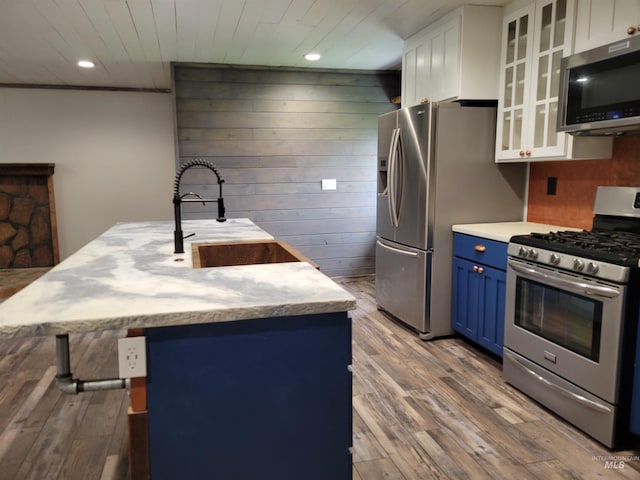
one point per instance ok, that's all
(479, 248)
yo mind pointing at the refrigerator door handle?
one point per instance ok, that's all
(397, 250)
(393, 158)
(398, 173)
(389, 188)
(386, 190)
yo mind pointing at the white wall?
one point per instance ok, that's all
(114, 154)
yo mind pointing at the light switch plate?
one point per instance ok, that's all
(132, 357)
(329, 184)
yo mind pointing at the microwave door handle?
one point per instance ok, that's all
(598, 407)
(572, 285)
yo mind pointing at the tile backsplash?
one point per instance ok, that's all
(576, 183)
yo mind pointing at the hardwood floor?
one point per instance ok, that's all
(45, 434)
(422, 410)
(440, 410)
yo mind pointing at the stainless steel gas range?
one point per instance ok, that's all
(571, 316)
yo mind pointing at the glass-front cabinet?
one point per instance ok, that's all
(551, 20)
(512, 105)
(535, 38)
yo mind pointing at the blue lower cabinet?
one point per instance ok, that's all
(265, 398)
(464, 308)
(635, 401)
(478, 293)
(491, 309)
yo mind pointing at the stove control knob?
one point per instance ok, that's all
(578, 264)
(554, 259)
(523, 252)
(592, 268)
(533, 254)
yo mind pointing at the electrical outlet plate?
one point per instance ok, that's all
(132, 357)
(329, 184)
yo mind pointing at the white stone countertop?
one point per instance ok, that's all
(129, 278)
(503, 231)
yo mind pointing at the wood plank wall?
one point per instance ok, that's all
(274, 134)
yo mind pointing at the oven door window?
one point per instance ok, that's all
(564, 318)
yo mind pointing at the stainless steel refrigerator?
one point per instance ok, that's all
(436, 168)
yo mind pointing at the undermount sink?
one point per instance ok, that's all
(245, 253)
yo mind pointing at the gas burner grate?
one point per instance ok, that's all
(619, 247)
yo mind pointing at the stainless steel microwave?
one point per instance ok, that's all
(600, 90)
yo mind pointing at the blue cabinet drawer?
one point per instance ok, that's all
(481, 250)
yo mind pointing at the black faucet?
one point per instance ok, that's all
(179, 199)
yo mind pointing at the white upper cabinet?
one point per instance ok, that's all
(457, 57)
(534, 40)
(515, 74)
(599, 22)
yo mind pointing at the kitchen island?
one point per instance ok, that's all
(247, 366)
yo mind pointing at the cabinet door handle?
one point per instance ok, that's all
(522, 153)
(528, 153)
(480, 270)
(479, 248)
(475, 268)
(631, 30)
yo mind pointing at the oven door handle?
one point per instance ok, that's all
(574, 286)
(598, 407)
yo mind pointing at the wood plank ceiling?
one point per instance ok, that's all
(133, 42)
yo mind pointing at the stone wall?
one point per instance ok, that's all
(27, 216)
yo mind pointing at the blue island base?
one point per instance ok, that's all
(254, 399)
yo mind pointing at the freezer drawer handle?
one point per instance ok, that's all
(397, 250)
(598, 407)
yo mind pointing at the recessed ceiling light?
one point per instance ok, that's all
(86, 64)
(312, 57)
